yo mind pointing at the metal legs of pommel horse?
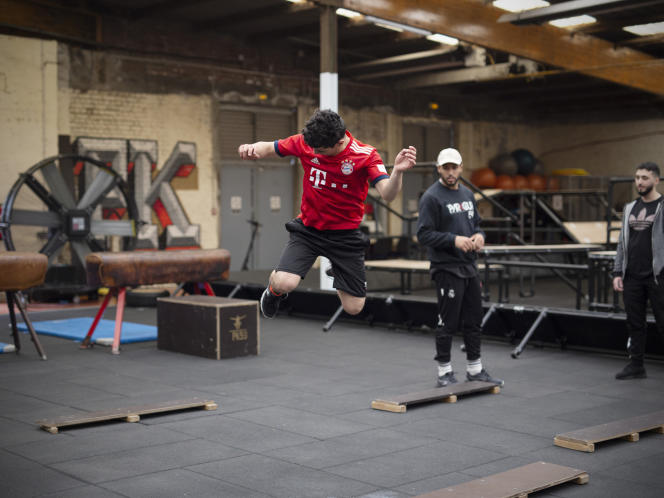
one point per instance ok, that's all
(17, 298)
(119, 315)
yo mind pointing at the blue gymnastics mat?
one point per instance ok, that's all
(77, 328)
(6, 348)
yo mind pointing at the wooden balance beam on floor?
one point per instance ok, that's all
(20, 271)
(514, 483)
(119, 270)
(629, 428)
(128, 414)
(447, 394)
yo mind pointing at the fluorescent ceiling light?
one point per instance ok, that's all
(653, 28)
(520, 5)
(396, 26)
(568, 22)
(447, 40)
(350, 14)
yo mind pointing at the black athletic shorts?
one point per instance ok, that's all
(344, 248)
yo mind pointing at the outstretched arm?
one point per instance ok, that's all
(389, 188)
(258, 150)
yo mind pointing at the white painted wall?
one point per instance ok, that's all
(480, 141)
(603, 149)
(28, 105)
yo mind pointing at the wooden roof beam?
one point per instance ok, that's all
(474, 22)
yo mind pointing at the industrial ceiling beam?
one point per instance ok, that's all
(644, 40)
(495, 71)
(255, 16)
(163, 7)
(474, 22)
(573, 8)
(50, 19)
(410, 70)
(402, 58)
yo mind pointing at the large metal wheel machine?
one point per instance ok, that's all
(65, 207)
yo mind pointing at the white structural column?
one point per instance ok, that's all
(329, 93)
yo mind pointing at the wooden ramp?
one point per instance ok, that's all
(515, 483)
(629, 428)
(591, 232)
(447, 394)
(129, 414)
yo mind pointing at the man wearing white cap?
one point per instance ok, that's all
(448, 226)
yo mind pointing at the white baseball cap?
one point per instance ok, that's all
(448, 156)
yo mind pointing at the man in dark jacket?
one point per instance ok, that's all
(639, 265)
(448, 226)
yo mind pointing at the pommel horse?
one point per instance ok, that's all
(119, 270)
(20, 271)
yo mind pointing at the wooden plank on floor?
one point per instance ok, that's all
(447, 394)
(128, 414)
(629, 428)
(518, 482)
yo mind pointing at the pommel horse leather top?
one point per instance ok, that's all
(19, 271)
(119, 270)
(126, 269)
(22, 270)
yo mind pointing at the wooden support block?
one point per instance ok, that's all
(582, 479)
(573, 445)
(447, 394)
(132, 414)
(629, 429)
(514, 483)
(388, 406)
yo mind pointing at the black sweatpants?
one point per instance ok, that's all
(459, 309)
(636, 293)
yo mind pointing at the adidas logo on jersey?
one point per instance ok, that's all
(315, 161)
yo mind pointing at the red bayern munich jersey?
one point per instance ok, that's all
(334, 188)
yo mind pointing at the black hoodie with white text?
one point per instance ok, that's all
(445, 213)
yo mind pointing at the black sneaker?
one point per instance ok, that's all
(270, 303)
(632, 371)
(448, 378)
(485, 377)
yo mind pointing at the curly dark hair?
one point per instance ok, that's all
(650, 166)
(324, 129)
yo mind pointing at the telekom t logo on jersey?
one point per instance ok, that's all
(319, 175)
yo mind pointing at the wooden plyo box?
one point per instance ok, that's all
(208, 326)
